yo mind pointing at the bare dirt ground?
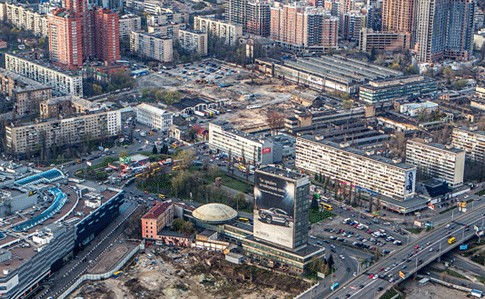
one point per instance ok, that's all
(110, 257)
(192, 274)
(430, 291)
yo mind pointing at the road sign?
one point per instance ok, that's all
(401, 274)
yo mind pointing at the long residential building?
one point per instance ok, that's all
(153, 46)
(229, 33)
(193, 41)
(24, 17)
(243, 146)
(34, 137)
(369, 173)
(395, 89)
(472, 141)
(154, 117)
(27, 94)
(437, 161)
(61, 81)
(384, 41)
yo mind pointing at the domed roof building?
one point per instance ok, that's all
(214, 213)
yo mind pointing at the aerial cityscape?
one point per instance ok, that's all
(259, 149)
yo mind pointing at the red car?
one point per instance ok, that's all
(371, 276)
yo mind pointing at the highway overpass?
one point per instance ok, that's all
(409, 260)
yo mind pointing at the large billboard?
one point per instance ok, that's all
(410, 182)
(274, 209)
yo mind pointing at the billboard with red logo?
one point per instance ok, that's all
(266, 150)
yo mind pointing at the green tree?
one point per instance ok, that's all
(154, 150)
(182, 226)
(184, 158)
(164, 149)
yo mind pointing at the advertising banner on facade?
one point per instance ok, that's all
(274, 209)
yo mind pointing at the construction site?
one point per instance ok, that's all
(249, 95)
(169, 272)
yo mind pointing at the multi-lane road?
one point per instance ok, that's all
(410, 258)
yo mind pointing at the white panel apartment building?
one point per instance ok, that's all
(241, 145)
(61, 81)
(193, 41)
(74, 130)
(154, 117)
(373, 174)
(472, 141)
(24, 17)
(152, 46)
(129, 23)
(228, 32)
(437, 160)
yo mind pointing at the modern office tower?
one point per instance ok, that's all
(369, 173)
(444, 29)
(437, 161)
(296, 26)
(193, 41)
(385, 90)
(152, 46)
(65, 38)
(472, 141)
(258, 17)
(154, 117)
(398, 16)
(384, 41)
(229, 33)
(107, 38)
(281, 207)
(129, 23)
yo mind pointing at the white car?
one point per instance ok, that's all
(375, 276)
(342, 257)
(431, 249)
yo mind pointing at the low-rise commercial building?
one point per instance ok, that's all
(62, 81)
(394, 89)
(35, 137)
(383, 41)
(413, 109)
(472, 141)
(229, 33)
(437, 160)
(366, 172)
(152, 46)
(154, 117)
(193, 41)
(27, 94)
(244, 146)
(160, 215)
(326, 73)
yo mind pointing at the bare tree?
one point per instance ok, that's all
(275, 120)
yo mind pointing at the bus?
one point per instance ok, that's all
(117, 274)
(334, 286)
(451, 240)
(244, 219)
(326, 206)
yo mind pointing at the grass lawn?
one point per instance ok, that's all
(317, 216)
(481, 192)
(390, 294)
(455, 274)
(416, 230)
(234, 184)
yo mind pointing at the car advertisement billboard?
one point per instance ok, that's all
(274, 209)
(410, 182)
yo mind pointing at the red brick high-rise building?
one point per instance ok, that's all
(106, 33)
(65, 38)
(77, 34)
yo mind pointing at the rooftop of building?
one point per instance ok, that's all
(36, 57)
(151, 108)
(346, 148)
(270, 169)
(303, 252)
(158, 209)
(214, 213)
(392, 82)
(189, 103)
(472, 129)
(442, 147)
(22, 83)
